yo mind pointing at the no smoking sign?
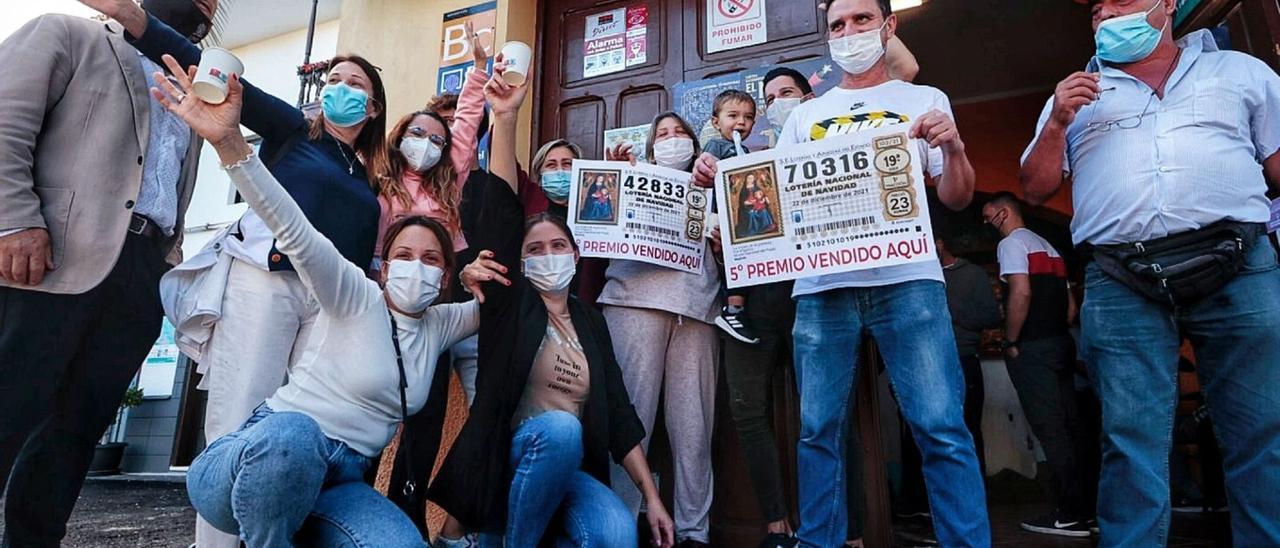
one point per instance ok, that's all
(734, 9)
(733, 24)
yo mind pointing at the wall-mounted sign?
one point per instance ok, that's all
(733, 24)
(455, 46)
(161, 366)
(614, 40)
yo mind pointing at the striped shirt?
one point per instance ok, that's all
(1195, 157)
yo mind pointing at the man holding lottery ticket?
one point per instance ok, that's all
(904, 308)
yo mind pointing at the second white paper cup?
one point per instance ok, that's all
(516, 56)
(216, 67)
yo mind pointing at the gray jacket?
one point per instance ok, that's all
(972, 303)
(76, 125)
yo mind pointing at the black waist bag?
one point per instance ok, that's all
(1183, 268)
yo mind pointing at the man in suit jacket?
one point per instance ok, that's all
(94, 178)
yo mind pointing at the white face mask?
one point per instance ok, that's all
(413, 285)
(781, 109)
(674, 153)
(550, 273)
(421, 153)
(857, 53)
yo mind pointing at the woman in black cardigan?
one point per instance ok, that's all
(550, 406)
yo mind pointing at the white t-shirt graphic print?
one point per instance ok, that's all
(844, 111)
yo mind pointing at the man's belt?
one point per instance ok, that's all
(145, 227)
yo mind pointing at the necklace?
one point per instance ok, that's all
(351, 168)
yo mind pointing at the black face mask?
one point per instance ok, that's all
(182, 15)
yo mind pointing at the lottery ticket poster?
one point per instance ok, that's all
(642, 213)
(636, 136)
(693, 99)
(837, 205)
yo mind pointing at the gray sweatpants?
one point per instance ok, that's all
(660, 350)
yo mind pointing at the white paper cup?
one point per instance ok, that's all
(216, 67)
(516, 56)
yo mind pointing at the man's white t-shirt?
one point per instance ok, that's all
(843, 111)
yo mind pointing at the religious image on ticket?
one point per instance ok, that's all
(844, 203)
(753, 205)
(643, 213)
(598, 198)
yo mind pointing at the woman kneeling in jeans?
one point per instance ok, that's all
(550, 404)
(294, 471)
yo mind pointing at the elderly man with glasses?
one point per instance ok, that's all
(1171, 147)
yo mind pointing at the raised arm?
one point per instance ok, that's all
(470, 112)
(39, 52)
(339, 286)
(263, 113)
(1044, 165)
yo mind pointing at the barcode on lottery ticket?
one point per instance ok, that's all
(835, 225)
(650, 228)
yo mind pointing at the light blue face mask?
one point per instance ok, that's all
(343, 105)
(556, 185)
(1129, 38)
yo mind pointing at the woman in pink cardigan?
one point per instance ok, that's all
(418, 147)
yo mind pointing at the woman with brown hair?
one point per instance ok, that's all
(551, 410)
(661, 321)
(294, 471)
(257, 314)
(430, 156)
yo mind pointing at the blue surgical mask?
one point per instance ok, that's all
(343, 105)
(556, 185)
(1130, 38)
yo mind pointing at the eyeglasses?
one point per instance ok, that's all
(421, 133)
(1128, 122)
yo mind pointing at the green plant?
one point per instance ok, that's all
(132, 398)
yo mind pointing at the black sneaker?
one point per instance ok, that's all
(1057, 524)
(779, 540)
(1196, 506)
(1093, 526)
(736, 326)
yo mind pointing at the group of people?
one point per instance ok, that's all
(319, 318)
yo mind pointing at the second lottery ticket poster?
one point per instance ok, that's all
(836, 205)
(641, 213)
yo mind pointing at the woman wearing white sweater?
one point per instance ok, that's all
(294, 471)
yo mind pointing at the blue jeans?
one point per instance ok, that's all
(1131, 345)
(911, 324)
(279, 480)
(546, 454)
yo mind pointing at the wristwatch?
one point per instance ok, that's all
(1008, 344)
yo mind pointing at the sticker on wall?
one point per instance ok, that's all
(637, 34)
(605, 42)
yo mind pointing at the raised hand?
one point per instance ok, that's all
(939, 130)
(620, 152)
(1072, 94)
(704, 170)
(478, 54)
(504, 98)
(214, 123)
(127, 12)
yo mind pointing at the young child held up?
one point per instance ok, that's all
(733, 114)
